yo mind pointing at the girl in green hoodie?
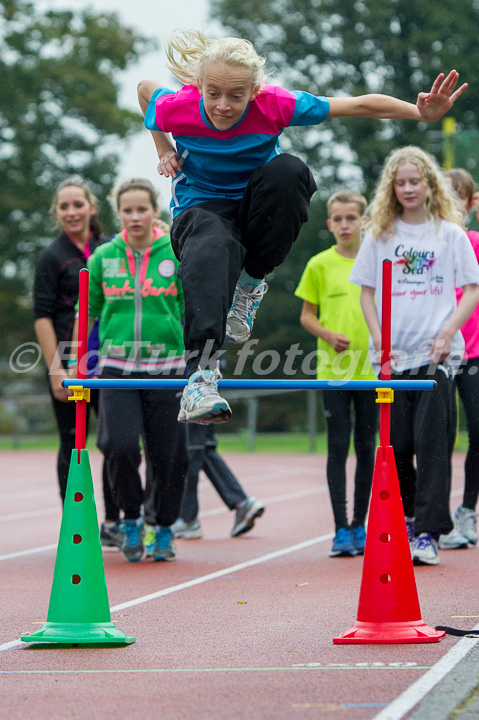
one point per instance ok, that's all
(135, 291)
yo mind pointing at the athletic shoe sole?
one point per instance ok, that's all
(219, 413)
(237, 339)
(248, 523)
(345, 553)
(421, 561)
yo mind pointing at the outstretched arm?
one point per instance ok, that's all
(429, 106)
(170, 161)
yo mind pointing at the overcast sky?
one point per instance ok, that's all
(152, 18)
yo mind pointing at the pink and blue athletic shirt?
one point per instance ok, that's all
(219, 163)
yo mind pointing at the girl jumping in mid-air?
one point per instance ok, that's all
(415, 223)
(238, 203)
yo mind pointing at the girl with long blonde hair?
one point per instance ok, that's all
(415, 223)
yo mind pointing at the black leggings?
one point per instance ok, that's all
(421, 429)
(202, 455)
(128, 415)
(216, 239)
(339, 406)
(467, 382)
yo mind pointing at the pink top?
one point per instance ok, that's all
(470, 329)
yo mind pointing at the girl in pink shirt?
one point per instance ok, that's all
(467, 382)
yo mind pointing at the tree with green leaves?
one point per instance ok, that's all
(59, 116)
(349, 47)
(352, 47)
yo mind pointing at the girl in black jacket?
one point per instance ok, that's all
(55, 295)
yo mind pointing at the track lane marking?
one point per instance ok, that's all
(207, 513)
(398, 708)
(30, 514)
(21, 553)
(205, 578)
(205, 670)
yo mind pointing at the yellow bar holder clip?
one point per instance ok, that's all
(385, 395)
(82, 393)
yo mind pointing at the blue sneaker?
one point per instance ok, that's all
(343, 544)
(165, 544)
(246, 300)
(132, 539)
(359, 539)
(424, 551)
(201, 403)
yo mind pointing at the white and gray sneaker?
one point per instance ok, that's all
(201, 403)
(246, 516)
(465, 521)
(453, 540)
(424, 550)
(246, 300)
(188, 530)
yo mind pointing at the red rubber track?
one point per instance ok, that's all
(253, 644)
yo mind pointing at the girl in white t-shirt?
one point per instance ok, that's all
(415, 224)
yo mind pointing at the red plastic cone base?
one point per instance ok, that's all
(388, 608)
(396, 632)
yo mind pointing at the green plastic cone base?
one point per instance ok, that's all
(79, 611)
(79, 633)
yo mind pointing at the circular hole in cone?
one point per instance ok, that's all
(78, 497)
(385, 578)
(385, 537)
(76, 579)
(384, 495)
(77, 539)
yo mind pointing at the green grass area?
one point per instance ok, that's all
(228, 442)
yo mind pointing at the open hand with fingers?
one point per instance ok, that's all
(442, 96)
(170, 164)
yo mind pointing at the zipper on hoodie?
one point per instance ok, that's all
(138, 310)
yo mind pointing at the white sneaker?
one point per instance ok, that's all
(465, 521)
(453, 540)
(246, 300)
(188, 530)
(424, 551)
(201, 402)
(246, 516)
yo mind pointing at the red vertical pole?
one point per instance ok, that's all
(81, 405)
(385, 409)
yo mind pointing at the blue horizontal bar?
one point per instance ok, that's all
(129, 383)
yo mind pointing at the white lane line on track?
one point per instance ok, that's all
(270, 501)
(25, 494)
(207, 513)
(21, 553)
(416, 692)
(204, 578)
(30, 514)
(270, 473)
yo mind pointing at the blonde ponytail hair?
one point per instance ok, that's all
(189, 52)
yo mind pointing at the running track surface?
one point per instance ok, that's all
(236, 628)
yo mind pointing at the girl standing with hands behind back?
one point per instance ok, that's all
(135, 291)
(416, 225)
(55, 294)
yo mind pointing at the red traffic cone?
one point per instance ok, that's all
(388, 610)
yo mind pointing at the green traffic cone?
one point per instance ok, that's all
(79, 612)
